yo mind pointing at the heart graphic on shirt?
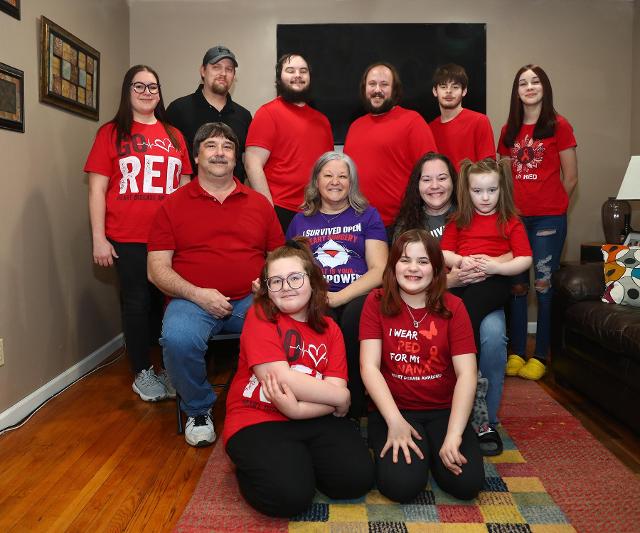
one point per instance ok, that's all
(165, 144)
(317, 353)
(431, 332)
(332, 254)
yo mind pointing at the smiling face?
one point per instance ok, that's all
(295, 74)
(334, 185)
(218, 77)
(378, 89)
(435, 187)
(484, 190)
(292, 302)
(530, 88)
(449, 94)
(216, 158)
(413, 270)
(144, 104)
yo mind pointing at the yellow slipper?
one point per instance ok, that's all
(534, 369)
(514, 364)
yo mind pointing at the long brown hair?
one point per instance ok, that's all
(505, 207)
(412, 213)
(391, 302)
(546, 123)
(298, 247)
(123, 119)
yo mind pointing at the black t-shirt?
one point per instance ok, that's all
(190, 112)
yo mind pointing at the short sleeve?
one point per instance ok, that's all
(518, 239)
(421, 138)
(371, 317)
(375, 227)
(449, 239)
(275, 237)
(337, 367)
(184, 153)
(502, 149)
(460, 331)
(161, 236)
(564, 134)
(484, 139)
(294, 229)
(260, 340)
(100, 159)
(262, 130)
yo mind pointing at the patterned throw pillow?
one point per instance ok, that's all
(621, 274)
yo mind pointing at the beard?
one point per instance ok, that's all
(387, 105)
(291, 96)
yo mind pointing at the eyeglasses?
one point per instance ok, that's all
(140, 87)
(295, 280)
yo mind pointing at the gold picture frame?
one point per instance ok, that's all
(11, 98)
(70, 72)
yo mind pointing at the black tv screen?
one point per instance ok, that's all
(339, 53)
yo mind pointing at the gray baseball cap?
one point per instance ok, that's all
(217, 53)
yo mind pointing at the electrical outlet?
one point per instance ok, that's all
(1, 353)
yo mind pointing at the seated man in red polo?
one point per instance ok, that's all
(207, 244)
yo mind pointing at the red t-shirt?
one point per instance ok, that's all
(296, 136)
(535, 165)
(217, 245)
(484, 236)
(385, 149)
(317, 354)
(467, 136)
(418, 365)
(145, 169)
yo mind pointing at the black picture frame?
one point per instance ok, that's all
(11, 98)
(10, 9)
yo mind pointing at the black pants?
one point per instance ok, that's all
(348, 318)
(140, 301)
(280, 464)
(402, 482)
(482, 298)
(285, 216)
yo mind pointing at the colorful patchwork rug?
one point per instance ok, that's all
(516, 497)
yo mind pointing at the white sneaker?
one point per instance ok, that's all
(165, 379)
(199, 430)
(148, 386)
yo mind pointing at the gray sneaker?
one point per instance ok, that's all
(199, 430)
(149, 387)
(165, 379)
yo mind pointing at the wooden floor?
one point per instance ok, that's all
(96, 458)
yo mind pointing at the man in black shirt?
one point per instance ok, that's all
(211, 102)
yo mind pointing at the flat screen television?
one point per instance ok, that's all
(339, 53)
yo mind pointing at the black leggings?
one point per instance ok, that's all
(280, 464)
(348, 318)
(402, 482)
(141, 303)
(482, 298)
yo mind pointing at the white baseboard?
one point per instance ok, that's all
(532, 327)
(20, 410)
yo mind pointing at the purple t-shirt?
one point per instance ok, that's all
(338, 242)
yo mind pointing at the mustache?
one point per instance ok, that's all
(377, 94)
(214, 160)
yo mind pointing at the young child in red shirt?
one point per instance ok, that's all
(486, 234)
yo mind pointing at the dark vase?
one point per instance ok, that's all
(614, 214)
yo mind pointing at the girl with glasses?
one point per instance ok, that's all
(136, 160)
(285, 428)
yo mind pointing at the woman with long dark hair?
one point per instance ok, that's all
(544, 165)
(136, 160)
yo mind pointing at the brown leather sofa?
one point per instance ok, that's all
(595, 346)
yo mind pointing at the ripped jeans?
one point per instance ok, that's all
(546, 236)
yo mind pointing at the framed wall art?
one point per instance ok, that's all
(70, 72)
(11, 98)
(12, 7)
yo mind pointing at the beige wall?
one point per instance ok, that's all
(54, 308)
(583, 45)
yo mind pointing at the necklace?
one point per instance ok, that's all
(416, 323)
(329, 220)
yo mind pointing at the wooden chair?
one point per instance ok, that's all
(212, 340)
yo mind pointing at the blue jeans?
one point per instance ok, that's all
(493, 359)
(546, 236)
(186, 329)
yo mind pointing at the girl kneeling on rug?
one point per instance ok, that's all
(285, 428)
(417, 358)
